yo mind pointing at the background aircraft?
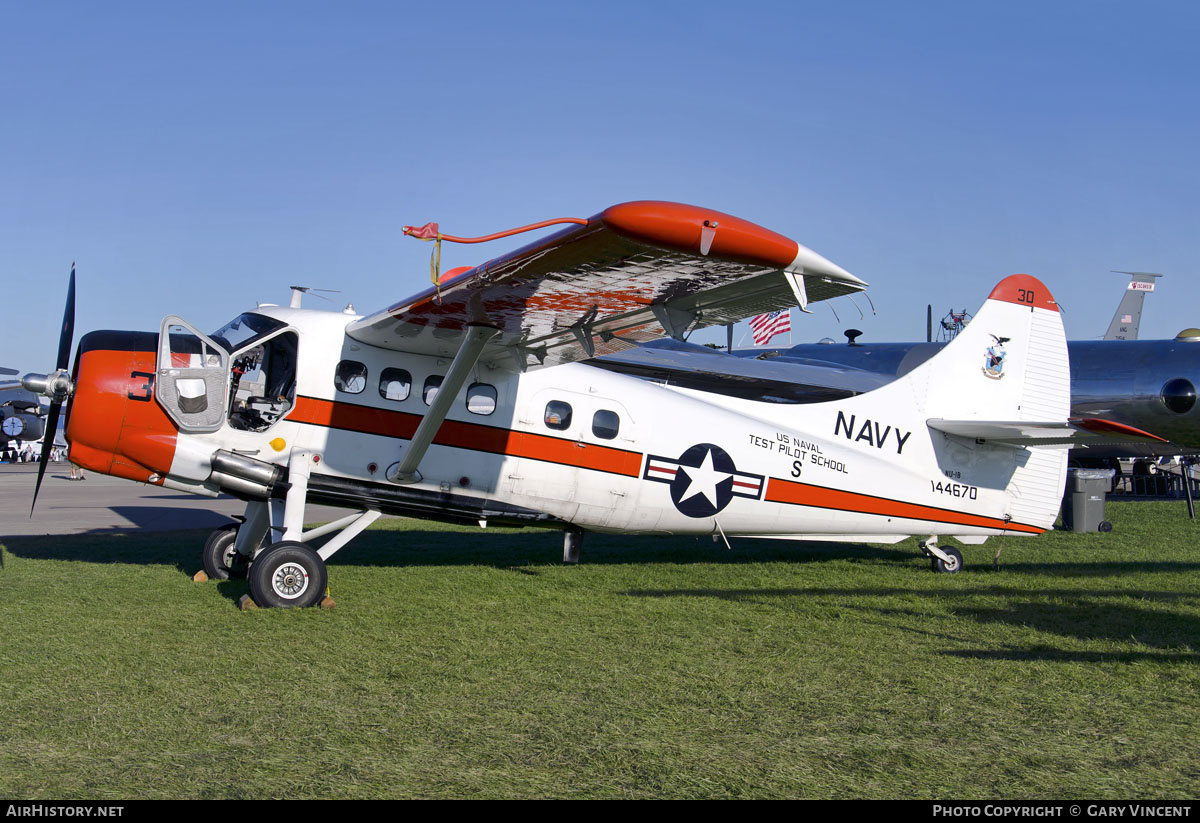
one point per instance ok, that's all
(21, 415)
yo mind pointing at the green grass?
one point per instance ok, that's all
(468, 663)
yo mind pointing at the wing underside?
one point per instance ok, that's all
(635, 272)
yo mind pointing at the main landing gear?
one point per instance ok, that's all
(945, 560)
(221, 559)
(286, 572)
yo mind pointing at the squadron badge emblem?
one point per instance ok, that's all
(993, 364)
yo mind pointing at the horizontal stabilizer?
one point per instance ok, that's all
(1076, 433)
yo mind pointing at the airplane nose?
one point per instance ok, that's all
(115, 426)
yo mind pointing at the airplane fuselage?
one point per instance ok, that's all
(570, 445)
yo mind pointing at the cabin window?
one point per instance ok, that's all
(432, 383)
(605, 424)
(558, 415)
(350, 377)
(395, 384)
(481, 398)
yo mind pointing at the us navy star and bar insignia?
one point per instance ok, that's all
(703, 479)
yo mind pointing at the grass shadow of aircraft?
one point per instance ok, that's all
(1167, 626)
(501, 549)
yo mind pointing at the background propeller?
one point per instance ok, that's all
(58, 386)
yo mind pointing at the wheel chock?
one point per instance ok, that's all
(327, 603)
(200, 577)
(246, 603)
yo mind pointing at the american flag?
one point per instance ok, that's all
(766, 326)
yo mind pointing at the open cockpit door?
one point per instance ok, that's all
(193, 376)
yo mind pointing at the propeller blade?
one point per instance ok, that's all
(68, 325)
(64, 360)
(47, 446)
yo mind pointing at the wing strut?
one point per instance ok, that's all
(468, 355)
(796, 281)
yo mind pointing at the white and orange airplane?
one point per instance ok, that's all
(469, 403)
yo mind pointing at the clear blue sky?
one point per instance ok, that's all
(196, 158)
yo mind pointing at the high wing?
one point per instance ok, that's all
(634, 272)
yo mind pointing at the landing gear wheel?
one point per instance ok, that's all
(221, 560)
(954, 564)
(287, 575)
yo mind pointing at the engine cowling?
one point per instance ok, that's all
(114, 425)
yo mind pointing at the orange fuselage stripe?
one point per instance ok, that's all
(804, 494)
(473, 436)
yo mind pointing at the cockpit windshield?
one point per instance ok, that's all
(243, 329)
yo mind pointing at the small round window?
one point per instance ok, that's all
(350, 377)
(481, 398)
(558, 415)
(605, 424)
(395, 384)
(432, 384)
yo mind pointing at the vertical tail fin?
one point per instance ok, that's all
(1008, 365)
(1018, 334)
(1125, 322)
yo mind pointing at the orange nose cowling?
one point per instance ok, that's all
(114, 425)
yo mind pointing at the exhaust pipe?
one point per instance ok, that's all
(244, 476)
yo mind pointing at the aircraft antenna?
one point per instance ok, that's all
(298, 293)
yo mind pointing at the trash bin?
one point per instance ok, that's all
(1083, 502)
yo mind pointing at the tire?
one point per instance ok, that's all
(221, 562)
(1104, 526)
(287, 575)
(953, 566)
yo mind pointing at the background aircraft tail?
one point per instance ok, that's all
(1125, 322)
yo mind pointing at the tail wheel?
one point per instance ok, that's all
(954, 564)
(287, 575)
(221, 559)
